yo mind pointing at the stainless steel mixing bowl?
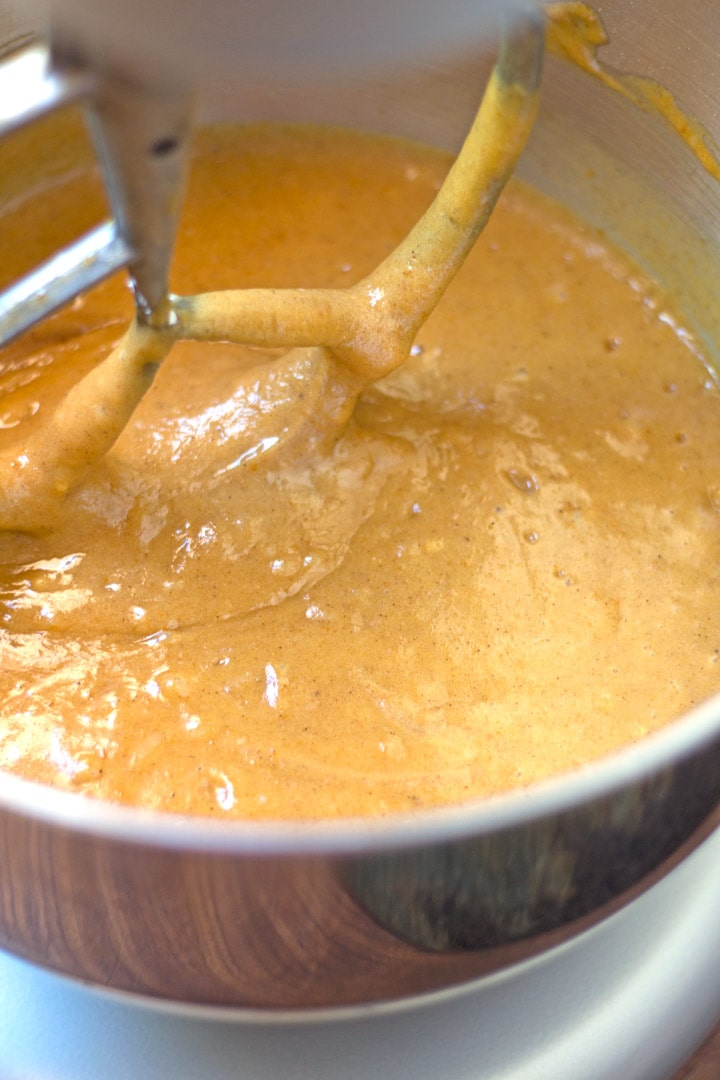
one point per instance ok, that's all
(296, 917)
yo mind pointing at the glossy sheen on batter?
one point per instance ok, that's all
(504, 567)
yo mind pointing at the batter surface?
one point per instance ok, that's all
(501, 566)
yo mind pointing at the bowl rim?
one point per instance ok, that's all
(688, 736)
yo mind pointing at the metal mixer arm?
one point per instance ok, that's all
(141, 136)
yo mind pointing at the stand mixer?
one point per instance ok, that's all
(139, 78)
(141, 126)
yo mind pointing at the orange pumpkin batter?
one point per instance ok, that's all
(503, 567)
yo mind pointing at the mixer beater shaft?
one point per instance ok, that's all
(141, 135)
